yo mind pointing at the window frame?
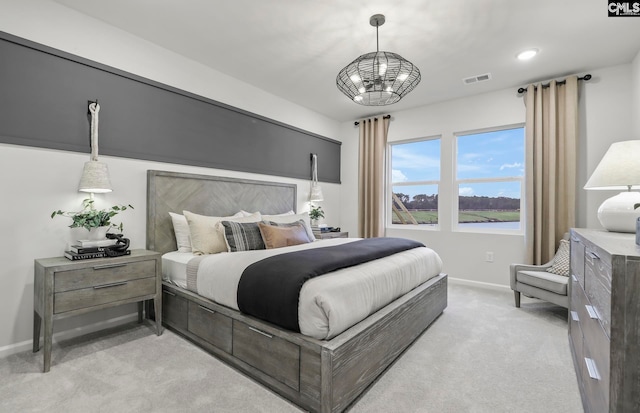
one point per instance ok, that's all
(390, 185)
(455, 205)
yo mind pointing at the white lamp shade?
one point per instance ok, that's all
(619, 169)
(95, 178)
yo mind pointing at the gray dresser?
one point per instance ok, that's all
(604, 319)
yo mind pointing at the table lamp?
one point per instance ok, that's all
(619, 169)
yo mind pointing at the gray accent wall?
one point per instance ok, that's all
(44, 97)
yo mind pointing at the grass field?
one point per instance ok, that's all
(431, 217)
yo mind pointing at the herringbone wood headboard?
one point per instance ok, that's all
(207, 195)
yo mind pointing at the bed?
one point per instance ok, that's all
(320, 375)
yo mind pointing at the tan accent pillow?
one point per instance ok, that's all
(277, 237)
(290, 218)
(205, 238)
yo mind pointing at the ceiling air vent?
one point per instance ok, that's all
(476, 79)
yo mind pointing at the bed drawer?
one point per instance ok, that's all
(174, 310)
(103, 294)
(210, 325)
(270, 354)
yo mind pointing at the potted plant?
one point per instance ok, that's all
(315, 214)
(91, 218)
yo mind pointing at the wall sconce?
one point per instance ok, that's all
(316, 192)
(619, 169)
(95, 175)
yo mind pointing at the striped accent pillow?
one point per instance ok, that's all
(242, 236)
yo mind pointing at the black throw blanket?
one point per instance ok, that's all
(269, 289)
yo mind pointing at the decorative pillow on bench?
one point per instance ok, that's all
(561, 260)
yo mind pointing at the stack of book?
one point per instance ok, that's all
(86, 249)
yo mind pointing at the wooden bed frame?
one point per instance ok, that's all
(318, 375)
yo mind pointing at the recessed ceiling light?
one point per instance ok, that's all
(527, 54)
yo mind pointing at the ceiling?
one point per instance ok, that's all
(294, 48)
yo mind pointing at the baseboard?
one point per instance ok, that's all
(480, 284)
(68, 334)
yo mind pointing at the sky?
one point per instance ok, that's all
(497, 154)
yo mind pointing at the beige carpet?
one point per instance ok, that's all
(481, 355)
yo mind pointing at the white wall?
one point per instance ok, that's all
(635, 105)
(34, 182)
(605, 118)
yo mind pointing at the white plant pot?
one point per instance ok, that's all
(99, 233)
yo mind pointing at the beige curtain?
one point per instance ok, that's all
(371, 188)
(551, 162)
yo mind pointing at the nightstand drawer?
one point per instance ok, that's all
(108, 292)
(103, 273)
(331, 234)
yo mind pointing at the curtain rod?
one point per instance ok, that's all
(356, 123)
(586, 77)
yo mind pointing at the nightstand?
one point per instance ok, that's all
(329, 235)
(64, 288)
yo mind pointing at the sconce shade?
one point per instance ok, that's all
(95, 175)
(619, 169)
(316, 191)
(95, 178)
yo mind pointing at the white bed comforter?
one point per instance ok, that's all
(331, 303)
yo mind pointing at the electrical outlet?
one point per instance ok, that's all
(488, 257)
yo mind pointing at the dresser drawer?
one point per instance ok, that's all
(598, 286)
(103, 273)
(577, 260)
(596, 364)
(270, 354)
(576, 339)
(596, 385)
(211, 326)
(109, 292)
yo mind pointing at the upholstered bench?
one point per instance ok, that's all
(547, 282)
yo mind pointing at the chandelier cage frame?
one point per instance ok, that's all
(378, 78)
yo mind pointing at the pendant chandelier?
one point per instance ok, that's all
(378, 78)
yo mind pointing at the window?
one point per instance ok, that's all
(415, 177)
(490, 179)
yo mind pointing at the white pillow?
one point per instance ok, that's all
(205, 239)
(290, 218)
(181, 229)
(246, 214)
